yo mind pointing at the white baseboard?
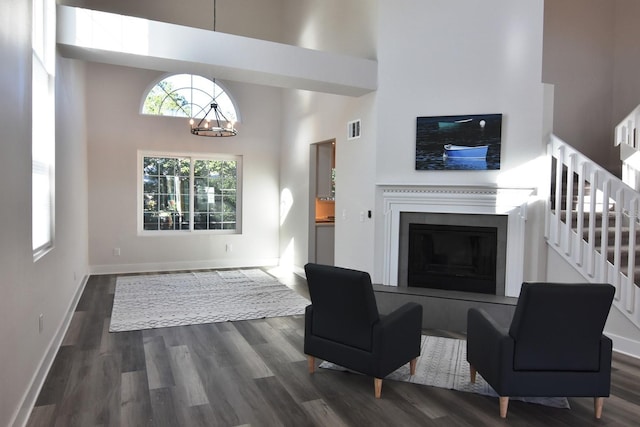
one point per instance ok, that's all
(625, 345)
(299, 271)
(29, 400)
(181, 265)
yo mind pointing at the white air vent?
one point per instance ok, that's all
(353, 129)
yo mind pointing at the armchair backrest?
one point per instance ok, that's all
(344, 305)
(557, 326)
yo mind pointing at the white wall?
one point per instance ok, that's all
(310, 118)
(340, 26)
(344, 27)
(118, 131)
(460, 57)
(49, 285)
(355, 189)
(15, 245)
(488, 62)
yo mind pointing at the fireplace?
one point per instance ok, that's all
(453, 208)
(456, 252)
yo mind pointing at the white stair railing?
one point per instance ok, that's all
(592, 220)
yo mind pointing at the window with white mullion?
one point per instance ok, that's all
(188, 95)
(187, 193)
(165, 193)
(43, 127)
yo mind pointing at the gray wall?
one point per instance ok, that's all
(579, 61)
(489, 61)
(626, 84)
(119, 131)
(47, 286)
(591, 55)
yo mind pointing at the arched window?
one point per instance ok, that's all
(188, 95)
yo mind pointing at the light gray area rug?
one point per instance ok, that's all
(443, 363)
(164, 300)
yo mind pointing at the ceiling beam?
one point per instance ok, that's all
(135, 42)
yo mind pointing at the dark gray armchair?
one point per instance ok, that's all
(554, 346)
(342, 325)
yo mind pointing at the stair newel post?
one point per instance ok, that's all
(569, 204)
(622, 133)
(593, 200)
(618, 239)
(626, 133)
(560, 186)
(604, 235)
(553, 196)
(579, 255)
(630, 294)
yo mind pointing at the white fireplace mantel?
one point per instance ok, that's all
(511, 202)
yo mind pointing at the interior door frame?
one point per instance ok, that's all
(313, 185)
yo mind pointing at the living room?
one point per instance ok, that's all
(433, 58)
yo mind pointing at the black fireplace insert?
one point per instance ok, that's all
(452, 257)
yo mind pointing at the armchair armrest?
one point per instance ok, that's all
(604, 380)
(484, 327)
(398, 334)
(606, 350)
(489, 346)
(404, 316)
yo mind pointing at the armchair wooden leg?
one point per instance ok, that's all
(312, 363)
(504, 405)
(412, 366)
(473, 372)
(377, 385)
(598, 403)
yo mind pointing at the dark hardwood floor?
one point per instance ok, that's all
(255, 373)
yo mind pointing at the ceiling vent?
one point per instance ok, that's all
(353, 129)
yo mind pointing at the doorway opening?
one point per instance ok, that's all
(322, 158)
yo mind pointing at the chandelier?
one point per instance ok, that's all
(214, 125)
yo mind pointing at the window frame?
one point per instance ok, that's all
(142, 154)
(43, 143)
(202, 110)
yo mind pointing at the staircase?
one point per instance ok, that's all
(591, 213)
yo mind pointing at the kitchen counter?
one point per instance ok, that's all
(325, 221)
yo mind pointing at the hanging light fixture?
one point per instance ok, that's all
(214, 126)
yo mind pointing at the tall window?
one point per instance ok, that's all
(43, 126)
(188, 193)
(188, 95)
